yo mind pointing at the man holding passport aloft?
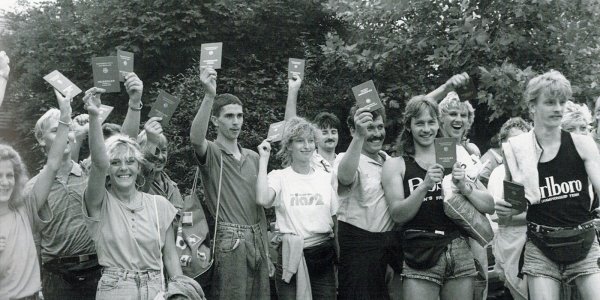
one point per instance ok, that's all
(229, 173)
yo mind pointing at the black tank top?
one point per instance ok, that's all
(431, 214)
(564, 190)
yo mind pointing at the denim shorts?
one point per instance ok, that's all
(456, 262)
(117, 283)
(537, 264)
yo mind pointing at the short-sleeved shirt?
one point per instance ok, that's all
(304, 204)
(19, 267)
(127, 237)
(64, 233)
(364, 206)
(168, 190)
(318, 161)
(238, 187)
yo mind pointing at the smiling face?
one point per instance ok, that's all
(302, 149)
(455, 122)
(123, 172)
(327, 139)
(424, 128)
(375, 136)
(162, 157)
(7, 180)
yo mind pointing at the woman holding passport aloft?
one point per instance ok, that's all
(554, 167)
(132, 230)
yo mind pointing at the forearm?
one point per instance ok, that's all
(291, 104)
(170, 257)
(262, 184)
(480, 198)
(97, 147)
(131, 124)
(349, 164)
(55, 154)
(441, 92)
(404, 210)
(200, 123)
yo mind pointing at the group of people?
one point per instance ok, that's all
(354, 225)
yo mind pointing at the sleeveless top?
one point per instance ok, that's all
(565, 199)
(431, 214)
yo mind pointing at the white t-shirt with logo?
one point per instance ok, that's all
(304, 204)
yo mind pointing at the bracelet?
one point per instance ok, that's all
(136, 108)
(64, 123)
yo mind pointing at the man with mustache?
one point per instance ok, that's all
(368, 242)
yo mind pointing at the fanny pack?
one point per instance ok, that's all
(563, 245)
(422, 249)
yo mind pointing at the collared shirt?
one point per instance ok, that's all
(238, 186)
(319, 162)
(364, 205)
(64, 232)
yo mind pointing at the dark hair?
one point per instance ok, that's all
(376, 113)
(495, 141)
(513, 123)
(222, 100)
(326, 120)
(110, 129)
(415, 106)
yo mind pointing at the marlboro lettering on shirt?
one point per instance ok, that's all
(296, 67)
(125, 60)
(366, 96)
(106, 73)
(210, 56)
(164, 107)
(275, 131)
(62, 84)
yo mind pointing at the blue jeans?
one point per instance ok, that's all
(121, 284)
(319, 262)
(241, 268)
(55, 287)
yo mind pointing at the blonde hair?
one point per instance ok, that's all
(20, 171)
(452, 101)
(576, 112)
(551, 84)
(296, 127)
(122, 146)
(44, 122)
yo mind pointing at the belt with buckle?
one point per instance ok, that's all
(545, 229)
(77, 258)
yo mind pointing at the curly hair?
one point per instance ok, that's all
(415, 106)
(452, 101)
(20, 172)
(295, 127)
(517, 123)
(122, 146)
(576, 112)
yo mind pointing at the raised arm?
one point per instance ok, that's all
(81, 127)
(478, 195)
(208, 76)
(135, 88)
(294, 84)
(153, 131)
(452, 83)
(264, 195)
(349, 163)
(404, 209)
(100, 162)
(42, 186)
(4, 71)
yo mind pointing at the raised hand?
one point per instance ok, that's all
(153, 130)
(294, 83)
(81, 125)
(362, 119)
(4, 67)
(457, 80)
(458, 175)
(64, 103)
(208, 76)
(264, 149)
(92, 101)
(434, 175)
(135, 88)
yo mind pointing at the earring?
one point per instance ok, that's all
(139, 186)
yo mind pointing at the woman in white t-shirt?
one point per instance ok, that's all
(305, 206)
